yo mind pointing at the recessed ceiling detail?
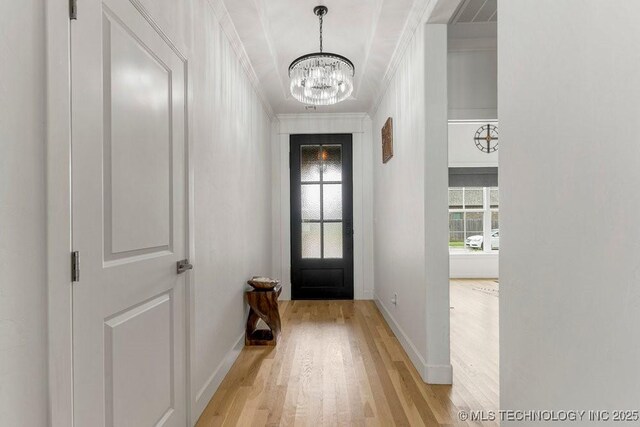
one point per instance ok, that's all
(273, 32)
(476, 11)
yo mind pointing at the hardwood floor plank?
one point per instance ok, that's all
(339, 364)
(390, 393)
(415, 396)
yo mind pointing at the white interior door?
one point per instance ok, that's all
(129, 219)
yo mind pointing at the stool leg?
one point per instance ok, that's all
(252, 323)
(263, 305)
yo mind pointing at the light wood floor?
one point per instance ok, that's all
(338, 363)
(474, 342)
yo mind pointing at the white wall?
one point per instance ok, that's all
(410, 205)
(359, 125)
(474, 265)
(473, 72)
(462, 148)
(569, 298)
(232, 170)
(23, 309)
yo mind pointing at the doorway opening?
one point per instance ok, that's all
(474, 202)
(321, 216)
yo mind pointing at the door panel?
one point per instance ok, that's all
(129, 219)
(150, 364)
(136, 85)
(321, 217)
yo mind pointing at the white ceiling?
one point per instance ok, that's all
(476, 11)
(269, 34)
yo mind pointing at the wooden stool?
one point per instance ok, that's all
(263, 305)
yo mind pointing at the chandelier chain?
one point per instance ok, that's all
(320, 33)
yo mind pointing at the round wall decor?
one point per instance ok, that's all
(486, 138)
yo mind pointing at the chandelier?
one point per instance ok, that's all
(321, 78)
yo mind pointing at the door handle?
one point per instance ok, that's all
(183, 265)
(348, 229)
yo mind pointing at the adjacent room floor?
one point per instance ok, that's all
(338, 363)
(474, 343)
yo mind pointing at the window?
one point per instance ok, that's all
(473, 219)
(321, 198)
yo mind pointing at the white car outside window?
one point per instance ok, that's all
(476, 242)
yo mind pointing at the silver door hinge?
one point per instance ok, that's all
(73, 9)
(75, 266)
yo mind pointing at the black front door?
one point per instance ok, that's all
(321, 217)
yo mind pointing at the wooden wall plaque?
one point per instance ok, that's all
(387, 140)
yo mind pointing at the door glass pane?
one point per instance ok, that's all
(332, 167)
(310, 163)
(332, 201)
(473, 198)
(332, 240)
(311, 240)
(310, 195)
(321, 163)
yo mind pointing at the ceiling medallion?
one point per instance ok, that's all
(321, 78)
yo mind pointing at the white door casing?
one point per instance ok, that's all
(129, 219)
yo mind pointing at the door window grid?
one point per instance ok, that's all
(328, 162)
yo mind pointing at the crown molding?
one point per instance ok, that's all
(415, 18)
(289, 116)
(229, 29)
(365, 63)
(472, 45)
(442, 11)
(264, 23)
(422, 12)
(320, 123)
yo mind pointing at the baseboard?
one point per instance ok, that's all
(438, 374)
(407, 345)
(211, 385)
(431, 374)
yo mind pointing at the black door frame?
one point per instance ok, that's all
(297, 263)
